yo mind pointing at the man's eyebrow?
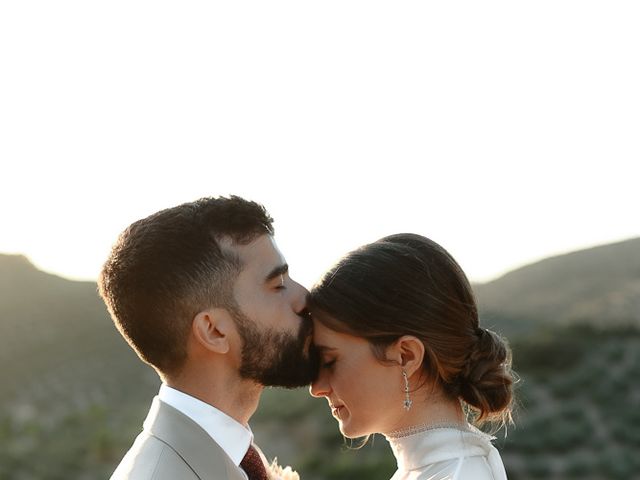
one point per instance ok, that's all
(276, 272)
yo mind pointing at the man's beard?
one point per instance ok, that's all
(274, 358)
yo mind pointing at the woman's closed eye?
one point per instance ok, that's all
(328, 363)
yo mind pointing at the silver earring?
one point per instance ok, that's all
(407, 398)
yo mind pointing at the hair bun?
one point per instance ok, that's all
(485, 384)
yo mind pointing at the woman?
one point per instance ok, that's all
(402, 353)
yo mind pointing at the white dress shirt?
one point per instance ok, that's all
(233, 437)
(447, 454)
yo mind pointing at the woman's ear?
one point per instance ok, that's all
(408, 351)
(211, 329)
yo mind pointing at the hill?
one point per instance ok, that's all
(57, 339)
(65, 374)
(599, 286)
(73, 395)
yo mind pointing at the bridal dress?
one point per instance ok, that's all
(445, 453)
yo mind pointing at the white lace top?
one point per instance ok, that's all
(447, 453)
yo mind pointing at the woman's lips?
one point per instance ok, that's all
(336, 410)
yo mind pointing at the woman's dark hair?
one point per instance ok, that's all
(406, 284)
(166, 268)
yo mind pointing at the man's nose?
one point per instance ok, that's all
(300, 297)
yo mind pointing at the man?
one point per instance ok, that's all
(202, 294)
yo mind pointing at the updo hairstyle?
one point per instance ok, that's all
(406, 284)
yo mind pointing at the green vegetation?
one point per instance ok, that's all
(580, 418)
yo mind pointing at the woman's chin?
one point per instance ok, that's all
(349, 431)
(346, 433)
(347, 428)
(344, 428)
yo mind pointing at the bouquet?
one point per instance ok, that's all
(276, 472)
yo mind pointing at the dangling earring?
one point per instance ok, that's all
(407, 398)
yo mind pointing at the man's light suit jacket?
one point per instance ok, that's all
(174, 447)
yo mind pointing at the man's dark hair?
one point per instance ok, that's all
(166, 268)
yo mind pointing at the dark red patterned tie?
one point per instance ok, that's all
(252, 464)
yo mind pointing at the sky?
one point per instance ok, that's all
(506, 131)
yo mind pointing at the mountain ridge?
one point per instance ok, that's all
(599, 286)
(53, 327)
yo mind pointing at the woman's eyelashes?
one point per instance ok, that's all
(328, 363)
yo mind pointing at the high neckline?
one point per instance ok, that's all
(437, 443)
(415, 429)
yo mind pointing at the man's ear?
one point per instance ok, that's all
(408, 352)
(211, 329)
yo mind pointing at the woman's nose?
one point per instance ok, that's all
(320, 387)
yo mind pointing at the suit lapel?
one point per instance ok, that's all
(205, 457)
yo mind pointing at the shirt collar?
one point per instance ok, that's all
(232, 436)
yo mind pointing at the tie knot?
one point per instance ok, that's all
(253, 465)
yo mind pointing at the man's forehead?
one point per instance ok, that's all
(260, 254)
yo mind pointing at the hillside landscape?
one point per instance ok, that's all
(599, 287)
(73, 395)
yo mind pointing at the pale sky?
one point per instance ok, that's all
(506, 131)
